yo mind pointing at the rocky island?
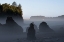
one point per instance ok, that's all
(14, 11)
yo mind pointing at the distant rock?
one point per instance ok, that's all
(31, 32)
(43, 27)
(36, 18)
(12, 27)
(62, 16)
(35, 27)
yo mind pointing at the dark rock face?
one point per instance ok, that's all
(12, 27)
(43, 27)
(31, 32)
(35, 27)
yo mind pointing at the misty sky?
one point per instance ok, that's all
(48, 8)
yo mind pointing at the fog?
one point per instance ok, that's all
(52, 24)
(58, 36)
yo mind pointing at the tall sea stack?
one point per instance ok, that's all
(31, 32)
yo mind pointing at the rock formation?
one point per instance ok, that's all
(14, 11)
(35, 27)
(43, 27)
(12, 27)
(31, 32)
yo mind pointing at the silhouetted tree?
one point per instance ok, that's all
(14, 10)
(31, 32)
(0, 3)
(19, 5)
(14, 4)
(1, 9)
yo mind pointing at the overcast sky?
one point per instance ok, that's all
(48, 8)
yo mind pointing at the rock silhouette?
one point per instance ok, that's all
(31, 32)
(43, 27)
(35, 27)
(12, 27)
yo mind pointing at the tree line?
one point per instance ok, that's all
(10, 9)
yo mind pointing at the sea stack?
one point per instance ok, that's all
(31, 32)
(43, 27)
(12, 27)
